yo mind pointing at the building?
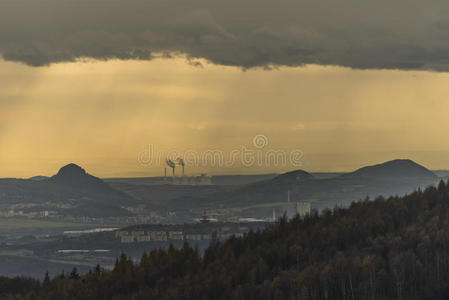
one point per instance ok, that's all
(127, 239)
(303, 208)
(175, 235)
(203, 179)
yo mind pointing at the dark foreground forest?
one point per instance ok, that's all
(396, 248)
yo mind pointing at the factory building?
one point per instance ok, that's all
(303, 208)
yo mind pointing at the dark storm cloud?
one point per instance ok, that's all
(402, 34)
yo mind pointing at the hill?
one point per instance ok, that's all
(399, 168)
(258, 193)
(395, 248)
(74, 176)
(71, 187)
(292, 177)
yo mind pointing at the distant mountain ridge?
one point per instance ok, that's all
(396, 177)
(394, 168)
(77, 189)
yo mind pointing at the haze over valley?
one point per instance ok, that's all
(74, 218)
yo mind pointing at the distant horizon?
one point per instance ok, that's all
(224, 173)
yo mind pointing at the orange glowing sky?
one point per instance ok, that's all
(103, 114)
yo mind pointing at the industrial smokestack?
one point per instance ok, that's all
(182, 164)
(171, 164)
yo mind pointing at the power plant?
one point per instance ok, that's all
(293, 208)
(171, 164)
(202, 179)
(182, 164)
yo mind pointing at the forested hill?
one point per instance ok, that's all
(396, 248)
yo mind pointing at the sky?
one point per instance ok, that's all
(118, 86)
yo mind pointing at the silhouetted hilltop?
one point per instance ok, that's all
(74, 176)
(71, 186)
(394, 168)
(71, 170)
(293, 177)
